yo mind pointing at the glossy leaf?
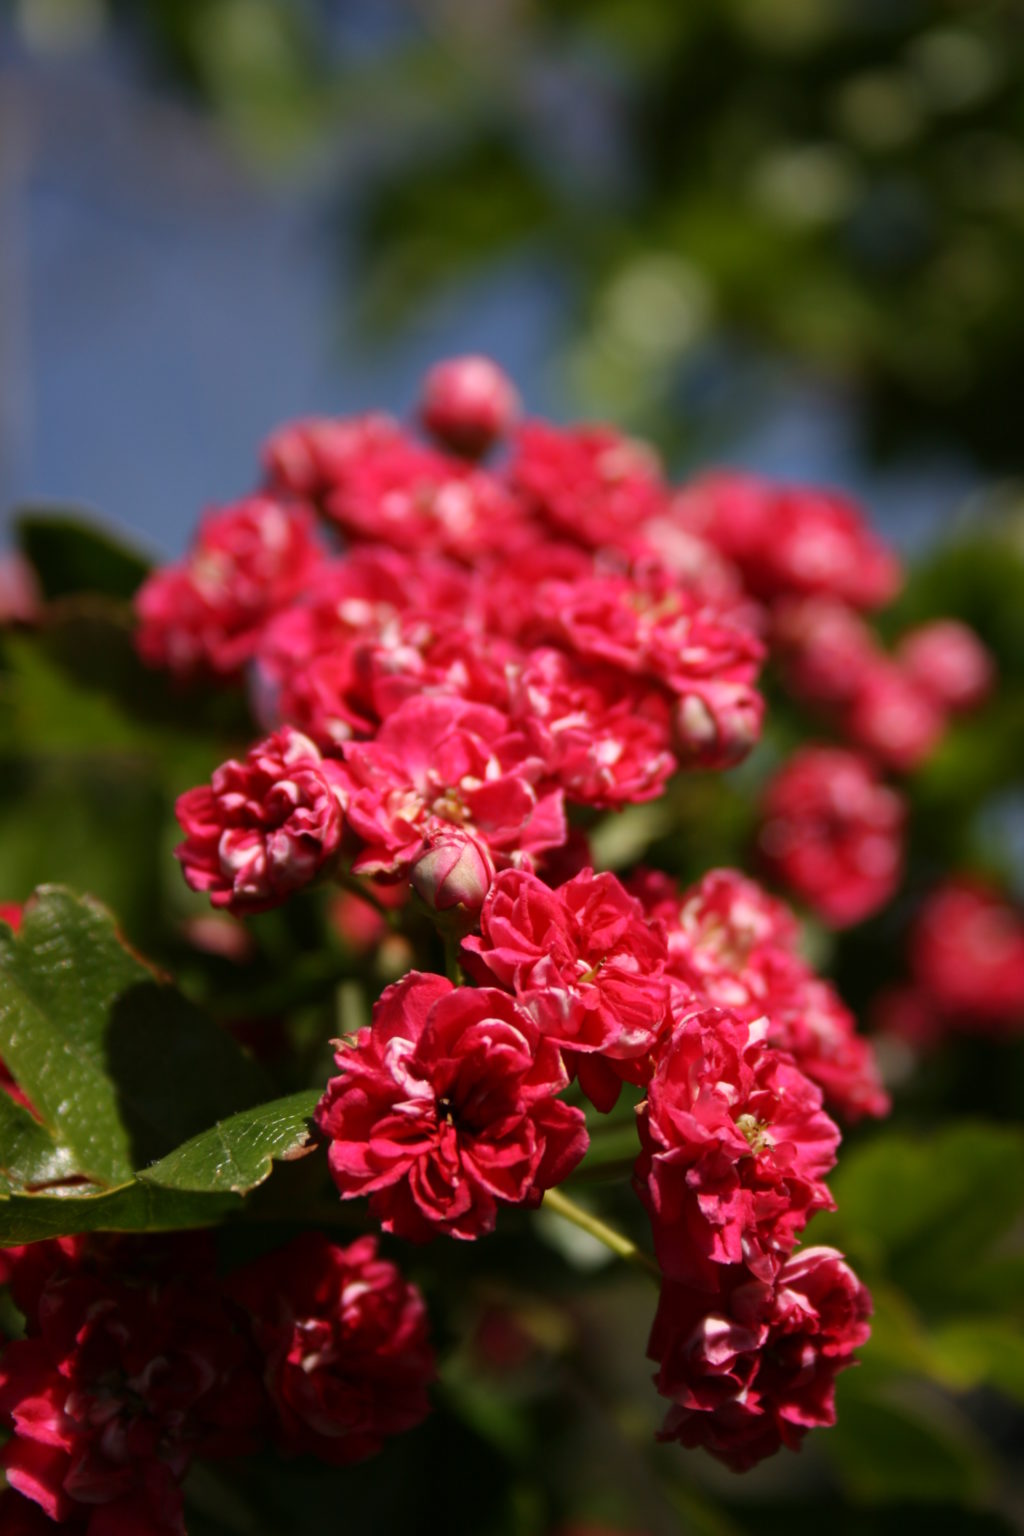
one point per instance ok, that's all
(237, 1154)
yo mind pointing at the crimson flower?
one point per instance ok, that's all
(344, 1339)
(262, 828)
(735, 1149)
(754, 1368)
(445, 1106)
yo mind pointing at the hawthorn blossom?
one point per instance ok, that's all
(206, 616)
(397, 491)
(439, 763)
(611, 743)
(892, 718)
(308, 458)
(736, 946)
(344, 1339)
(262, 828)
(735, 1148)
(588, 483)
(833, 833)
(754, 1367)
(790, 540)
(967, 958)
(122, 1380)
(585, 964)
(468, 404)
(445, 1106)
(825, 648)
(949, 663)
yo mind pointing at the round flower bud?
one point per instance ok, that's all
(717, 727)
(453, 870)
(468, 404)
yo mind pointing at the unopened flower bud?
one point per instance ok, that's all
(717, 727)
(468, 404)
(453, 870)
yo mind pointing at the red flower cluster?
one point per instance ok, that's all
(831, 832)
(344, 1341)
(493, 645)
(247, 561)
(137, 1361)
(497, 644)
(759, 1370)
(966, 954)
(735, 1149)
(736, 946)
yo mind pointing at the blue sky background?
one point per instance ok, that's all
(162, 306)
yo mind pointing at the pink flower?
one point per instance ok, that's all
(791, 540)
(833, 833)
(584, 963)
(344, 1339)
(610, 736)
(589, 483)
(468, 404)
(453, 870)
(399, 492)
(309, 458)
(892, 718)
(948, 662)
(439, 763)
(264, 827)
(825, 648)
(651, 628)
(368, 632)
(967, 957)
(206, 615)
(755, 1369)
(735, 1147)
(123, 1379)
(737, 947)
(447, 1106)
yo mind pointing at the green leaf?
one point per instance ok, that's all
(237, 1154)
(975, 1352)
(28, 1153)
(135, 1207)
(119, 1067)
(910, 1207)
(891, 1443)
(71, 555)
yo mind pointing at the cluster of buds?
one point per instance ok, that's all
(138, 1359)
(526, 624)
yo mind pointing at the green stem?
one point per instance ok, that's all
(622, 1246)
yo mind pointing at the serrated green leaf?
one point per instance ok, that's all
(119, 1067)
(237, 1154)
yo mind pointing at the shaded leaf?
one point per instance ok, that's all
(119, 1066)
(70, 555)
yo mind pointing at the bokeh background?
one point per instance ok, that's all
(784, 234)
